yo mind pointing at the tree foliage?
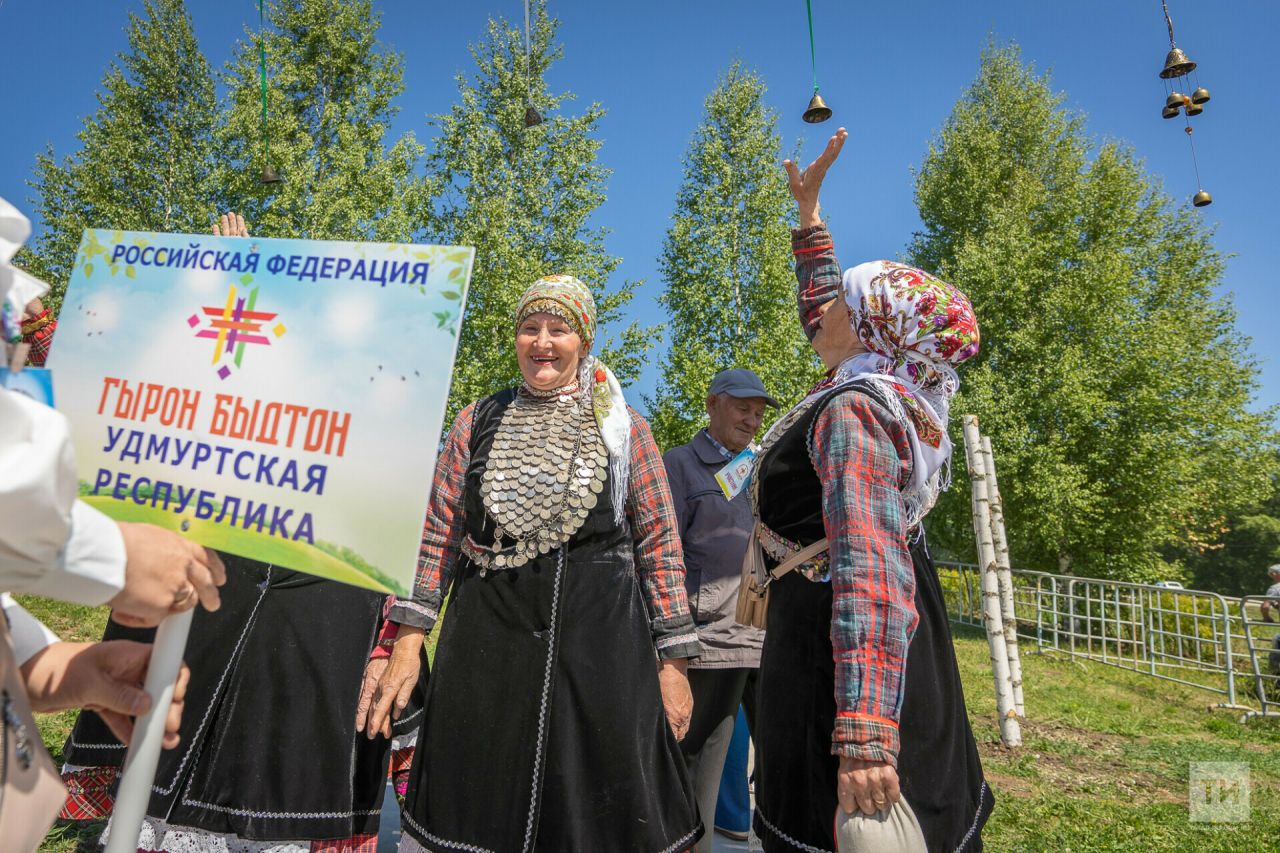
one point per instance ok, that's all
(1250, 543)
(146, 156)
(1112, 381)
(726, 262)
(526, 196)
(331, 90)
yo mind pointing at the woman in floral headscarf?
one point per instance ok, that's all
(862, 742)
(552, 531)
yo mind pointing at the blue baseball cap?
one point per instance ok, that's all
(740, 382)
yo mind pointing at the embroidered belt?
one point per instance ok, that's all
(780, 548)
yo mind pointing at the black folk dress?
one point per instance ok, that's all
(269, 750)
(938, 766)
(544, 728)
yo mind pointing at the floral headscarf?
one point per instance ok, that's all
(916, 328)
(565, 297)
(924, 325)
(568, 298)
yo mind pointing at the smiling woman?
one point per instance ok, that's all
(548, 350)
(551, 529)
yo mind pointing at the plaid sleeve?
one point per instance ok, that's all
(38, 332)
(443, 532)
(817, 273)
(659, 557)
(861, 454)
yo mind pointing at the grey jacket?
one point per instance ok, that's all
(714, 533)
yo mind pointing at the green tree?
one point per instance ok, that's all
(146, 156)
(1251, 543)
(726, 261)
(526, 195)
(1113, 383)
(330, 96)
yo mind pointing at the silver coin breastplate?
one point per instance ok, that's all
(546, 469)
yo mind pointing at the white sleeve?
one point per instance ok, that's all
(51, 544)
(28, 633)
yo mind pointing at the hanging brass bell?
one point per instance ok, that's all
(1202, 199)
(1200, 96)
(1194, 109)
(1177, 64)
(1169, 112)
(532, 118)
(1174, 100)
(818, 110)
(269, 175)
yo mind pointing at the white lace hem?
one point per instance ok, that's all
(158, 836)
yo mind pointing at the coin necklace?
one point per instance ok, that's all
(547, 467)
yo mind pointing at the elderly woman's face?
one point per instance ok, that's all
(835, 340)
(548, 350)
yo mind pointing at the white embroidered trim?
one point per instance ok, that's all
(434, 839)
(973, 827)
(536, 789)
(73, 742)
(787, 838)
(667, 642)
(235, 652)
(159, 836)
(213, 807)
(404, 720)
(417, 608)
(679, 845)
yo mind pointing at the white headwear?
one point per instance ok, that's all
(17, 287)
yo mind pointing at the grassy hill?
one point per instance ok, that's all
(1104, 765)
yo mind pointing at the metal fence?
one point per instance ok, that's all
(1200, 639)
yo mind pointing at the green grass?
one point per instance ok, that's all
(1104, 764)
(1106, 759)
(222, 537)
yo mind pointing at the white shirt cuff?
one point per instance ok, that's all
(91, 570)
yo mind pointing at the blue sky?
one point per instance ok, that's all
(891, 71)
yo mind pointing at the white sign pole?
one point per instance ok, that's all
(148, 734)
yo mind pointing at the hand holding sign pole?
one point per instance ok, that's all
(276, 399)
(148, 734)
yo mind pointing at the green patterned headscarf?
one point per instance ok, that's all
(565, 297)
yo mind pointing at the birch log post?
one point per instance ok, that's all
(1005, 576)
(992, 619)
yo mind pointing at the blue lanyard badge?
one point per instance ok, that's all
(735, 476)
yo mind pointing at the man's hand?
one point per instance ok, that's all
(677, 699)
(165, 574)
(806, 185)
(391, 683)
(866, 786)
(230, 225)
(105, 677)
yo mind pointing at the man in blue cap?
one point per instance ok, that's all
(714, 530)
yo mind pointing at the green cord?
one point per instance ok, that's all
(813, 61)
(262, 56)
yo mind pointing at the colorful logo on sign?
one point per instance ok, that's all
(234, 326)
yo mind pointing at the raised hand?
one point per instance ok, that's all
(806, 185)
(230, 224)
